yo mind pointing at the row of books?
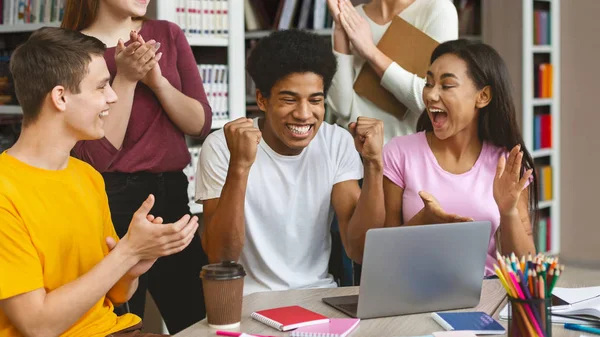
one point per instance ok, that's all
(286, 14)
(544, 234)
(208, 18)
(541, 27)
(542, 80)
(542, 131)
(31, 11)
(544, 178)
(216, 84)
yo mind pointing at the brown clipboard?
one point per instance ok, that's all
(406, 45)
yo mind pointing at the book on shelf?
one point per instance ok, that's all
(31, 11)
(203, 18)
(542, 131)
(286, 14)
(542, 80)
(215, 80)
(544, 178)
(541, 27)
(544, 234)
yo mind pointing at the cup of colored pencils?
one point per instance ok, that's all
(529, 283)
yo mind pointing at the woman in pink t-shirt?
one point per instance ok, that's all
(458, 167)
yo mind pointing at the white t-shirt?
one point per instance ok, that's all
(288, 208)
(436, 18)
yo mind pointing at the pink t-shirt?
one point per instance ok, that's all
(410, 164)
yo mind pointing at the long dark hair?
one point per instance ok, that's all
(498, 120)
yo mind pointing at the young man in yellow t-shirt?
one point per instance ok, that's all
(62, 268)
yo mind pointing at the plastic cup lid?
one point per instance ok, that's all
(227, 270)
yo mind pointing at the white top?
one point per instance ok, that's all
(288, 209)
(438, 19)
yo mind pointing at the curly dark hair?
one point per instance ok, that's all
(290, 51)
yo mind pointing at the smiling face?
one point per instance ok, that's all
(133, 8)
(452, 98)
(293, 112)
(84, 111)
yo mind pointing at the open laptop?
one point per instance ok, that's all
(418, 269)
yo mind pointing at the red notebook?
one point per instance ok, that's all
(288, 318)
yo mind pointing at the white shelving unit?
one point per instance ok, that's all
(234, 42)
(208, 41)
(529, 103)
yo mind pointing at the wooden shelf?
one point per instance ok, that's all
(542, 153)
(10, 110)
(257, 34)
(204, 41)
(542, 101)
(26, 27)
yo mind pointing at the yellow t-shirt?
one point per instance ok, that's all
(53, 226)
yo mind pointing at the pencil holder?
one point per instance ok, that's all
(529, 317)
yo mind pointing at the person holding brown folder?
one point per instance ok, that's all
(370, 82)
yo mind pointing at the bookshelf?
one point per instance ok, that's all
(233, 43)
(225, 47)
(16, 24)
(541, 110)
(469, 19)
(25, 27)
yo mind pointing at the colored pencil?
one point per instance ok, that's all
(530, 279)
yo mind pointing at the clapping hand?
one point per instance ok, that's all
(137, 59)
(144, 265)
(148, 238)
(433, 213)
(508, 184)
(357, 29)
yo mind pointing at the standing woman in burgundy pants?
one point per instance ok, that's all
(160, 100)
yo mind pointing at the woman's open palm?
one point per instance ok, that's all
(508, 184)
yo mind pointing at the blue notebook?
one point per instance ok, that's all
(478, 322)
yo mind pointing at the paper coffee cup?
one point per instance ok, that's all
(223, 292)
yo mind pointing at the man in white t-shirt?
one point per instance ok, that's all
(270, 186)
